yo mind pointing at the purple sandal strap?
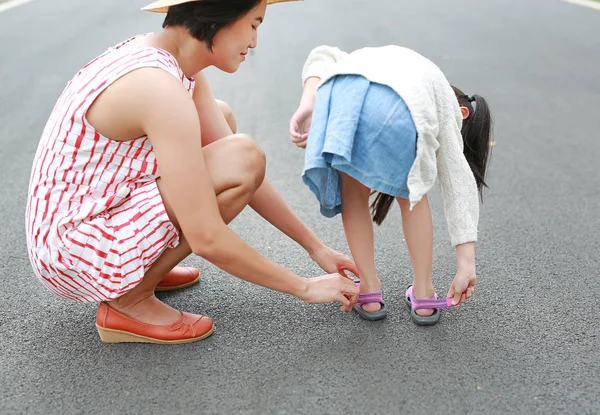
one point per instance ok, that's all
(434, 303)
(376, 297)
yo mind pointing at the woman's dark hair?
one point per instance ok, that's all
(204, 18)
(476, 132)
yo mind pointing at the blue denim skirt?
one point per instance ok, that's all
(362, 129)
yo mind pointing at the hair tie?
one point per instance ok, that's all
(471, 99)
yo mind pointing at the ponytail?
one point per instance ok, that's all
(476, 132)
(381, 206)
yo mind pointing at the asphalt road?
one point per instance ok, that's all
(528, 342)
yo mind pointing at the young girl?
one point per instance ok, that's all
(385, 120)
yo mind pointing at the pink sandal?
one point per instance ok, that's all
(376, 297)
(420, 304)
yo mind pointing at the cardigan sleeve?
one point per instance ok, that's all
(458, 187)
(320, 61)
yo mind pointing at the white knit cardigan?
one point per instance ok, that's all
(437, 117)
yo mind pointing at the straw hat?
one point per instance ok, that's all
(162, 6)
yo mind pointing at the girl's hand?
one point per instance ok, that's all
(300, 122)
(300, 125)
(463, 285)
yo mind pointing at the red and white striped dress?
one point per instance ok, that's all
(95, 219)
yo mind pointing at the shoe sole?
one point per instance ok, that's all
(422, 320)
(177, 287)
(371, 315)
(119, 336)
(425, 320)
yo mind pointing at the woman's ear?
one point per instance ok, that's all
(465, 112)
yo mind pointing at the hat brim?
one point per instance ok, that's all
(162, 6)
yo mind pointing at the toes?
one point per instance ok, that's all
(371, 307)
(425, 312)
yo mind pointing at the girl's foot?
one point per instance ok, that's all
(423, 292)
(368, 288)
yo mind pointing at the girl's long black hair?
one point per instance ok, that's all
(476, 132)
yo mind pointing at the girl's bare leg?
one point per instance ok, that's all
(418, 232)
(359, 234)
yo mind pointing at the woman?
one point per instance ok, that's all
(137, 168)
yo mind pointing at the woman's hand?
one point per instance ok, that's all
(336, 263)
(332, 261)
(331, 288)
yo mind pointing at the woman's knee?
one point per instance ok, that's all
(251, 159)
(228, 114)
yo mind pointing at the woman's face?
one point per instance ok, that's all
(231, 44)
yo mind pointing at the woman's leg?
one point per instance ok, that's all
(171, 257)
(237, 166)
(359, 234)
(228, 114)
(418, 232)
